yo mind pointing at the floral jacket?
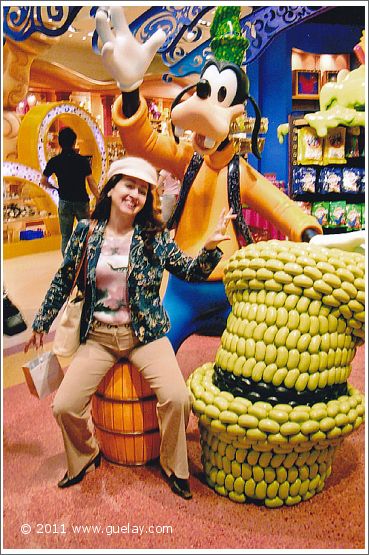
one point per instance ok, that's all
(149, 319)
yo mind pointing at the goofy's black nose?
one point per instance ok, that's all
(203, 88)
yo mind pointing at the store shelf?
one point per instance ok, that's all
(305, 97)
(354, 198)
(330, 208)
(27, 207)
(31, 219)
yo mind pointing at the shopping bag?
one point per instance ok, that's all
(43, 374)
(67, 334)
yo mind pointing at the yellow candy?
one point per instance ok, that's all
(281, 336)
(293, 319)
(292, 339)
(270, 334)
(313, 272)
(303, 281)
(272, 490)
(322, 287)
(304, 362)
(279, 376)
(289, 428)
(271, 315)
(291, 378)
(250, 487)
(282, 317)
(259, 331)
(269, 425)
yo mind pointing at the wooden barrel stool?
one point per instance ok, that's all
(124, 415)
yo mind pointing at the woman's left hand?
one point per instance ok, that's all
(219, 234)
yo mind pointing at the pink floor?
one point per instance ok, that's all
(115, 498)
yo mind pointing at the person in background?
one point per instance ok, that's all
(71, 170)
(127, 253)
(168, 190)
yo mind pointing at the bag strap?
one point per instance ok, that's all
(83, 260)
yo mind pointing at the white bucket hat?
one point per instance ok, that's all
(132, 166)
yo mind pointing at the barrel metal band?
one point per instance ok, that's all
(128, 400)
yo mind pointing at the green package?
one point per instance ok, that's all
(321, 212)
(353, 216)
(337, 213)
(362, 216)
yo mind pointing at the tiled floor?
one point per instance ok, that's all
(26, 279)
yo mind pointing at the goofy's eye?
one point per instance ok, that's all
(222, 93)
(223, 85)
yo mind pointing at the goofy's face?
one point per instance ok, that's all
(218, 100)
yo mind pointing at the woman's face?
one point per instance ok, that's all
(129, 195)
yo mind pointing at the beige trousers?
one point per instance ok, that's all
(158, 364)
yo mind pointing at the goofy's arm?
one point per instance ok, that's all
(127, 61)
(261, 195)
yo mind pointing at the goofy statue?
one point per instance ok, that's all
(212, 175)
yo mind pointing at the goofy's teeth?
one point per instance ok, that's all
(209, 143)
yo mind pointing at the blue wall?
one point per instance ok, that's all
(271, 82)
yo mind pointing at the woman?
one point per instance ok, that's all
(127, 253)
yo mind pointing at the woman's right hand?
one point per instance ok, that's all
(36, 341)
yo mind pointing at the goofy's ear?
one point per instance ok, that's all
(255, 131)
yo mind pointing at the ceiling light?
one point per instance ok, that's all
(84, 38)
(70, 35)
(72, 29)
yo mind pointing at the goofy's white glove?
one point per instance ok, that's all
(126, 59)
(353, 241)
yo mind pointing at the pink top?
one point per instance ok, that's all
(170, 183)
(111, 281)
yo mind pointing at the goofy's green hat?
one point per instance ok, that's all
(228, 44)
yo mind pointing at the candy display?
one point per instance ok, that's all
(330, 180)
(353, 216)
(321, 212)
(277, 403)
(337, 214)
(310, 147)
(351, 180)
(362, 182)
(352, 149)
(334, 146)
(303, 180)
(363, 216)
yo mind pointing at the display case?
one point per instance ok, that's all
(327, 174)
(115, 148)
(29, 213)
(241, 133)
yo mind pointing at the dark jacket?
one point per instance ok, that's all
(149, 319)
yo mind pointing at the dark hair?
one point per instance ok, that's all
(67, 137)
(149, 218)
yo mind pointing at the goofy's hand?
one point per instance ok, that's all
(126, 59)
(353, 241)
(219, 234)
